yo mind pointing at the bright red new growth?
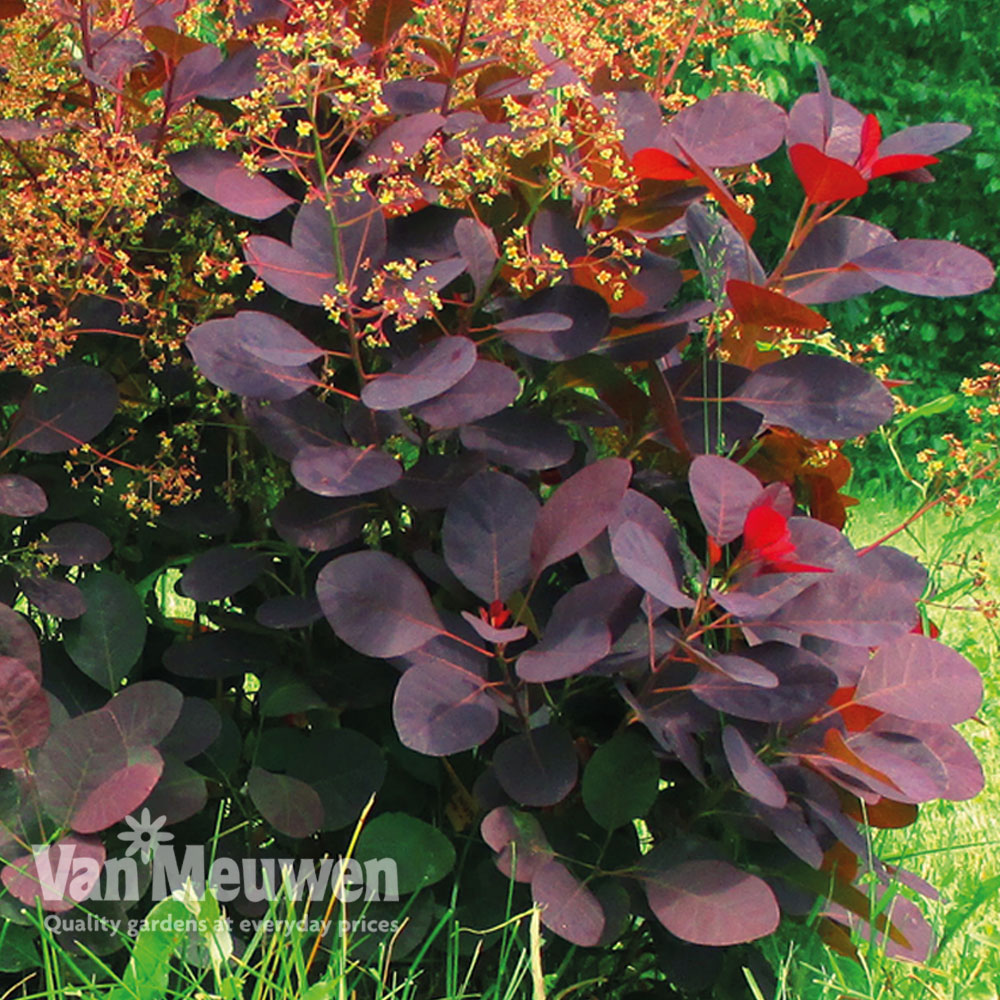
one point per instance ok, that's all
(871, 165)
(825, 178)
(767, 540)
(656, 165)
(496, 615)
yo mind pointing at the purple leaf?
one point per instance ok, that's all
(578, 511)
(519, 439)
(804, 685)
(790, 828)
(723, 492)
(542, 322)
(478, 247)
(581, 629)
(179, 794)
(719, 250)
(851, 608)
(442, 709)
(218, 352)
(216, 655)
(427, 373)
(818, 397)
(923, 139)
(23, 497)
(547, 338)
(712, 903)
(519, 840)
(342, 471)
(120, 793)
(825, 103)
(892, 566)
(486, 631)
(744, 670)
(921, 679)
(76, 544)
(78, 757)
(273, 340)
(753, 776)
(487, 389)
(377, 604)
(24, 713)
(537, 768)
(18, 640)
(221, 572)
(344, 242)
(288, 611)
(58, 598)
(400, 141)
(288, 426)
(221, 177)
(289, 805)
(486, 535)
(569, 909)
(319, 523)
(145, 712)
(825, 249)
(711, 413)
(963, 773)
(727, 130)
(641, 557)
(77, 403)
(808, 122)
(27, 881)
(905, 761)
(197, 726)
(432, 482)
(928, 267)
(296, 276)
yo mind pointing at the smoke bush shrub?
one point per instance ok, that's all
(500, 476)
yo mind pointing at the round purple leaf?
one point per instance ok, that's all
(319, 523)
(522, 440)
(557, 323)
(427, 373)
(712, 903)
(377, 604)
(487, 389)
(23, 497)
(569, 908)
(537, 768)
(340, 471)
(24, 713)
(220, 572)
(487, 532)
(76, 544)
(74, 405)
(221, 177)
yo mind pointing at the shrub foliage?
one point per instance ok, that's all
(430, 365)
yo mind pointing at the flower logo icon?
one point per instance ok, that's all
(145, 835)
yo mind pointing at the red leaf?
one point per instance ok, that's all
(871, 136)
(756, 305)
(824, 178)
(899, 163)
(655, 164)
(857, 718)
